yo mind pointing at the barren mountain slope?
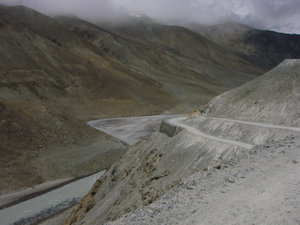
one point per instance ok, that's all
(57, 63)
(183, 44)
(261, 47)
(181, 40)
(271, 98)
(50, 84)
(187, 64)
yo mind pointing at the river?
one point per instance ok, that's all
(48, 203)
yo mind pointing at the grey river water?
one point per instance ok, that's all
(49, 202)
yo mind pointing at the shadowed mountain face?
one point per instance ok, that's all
(55, 74)
(183, 42)
(261, 47)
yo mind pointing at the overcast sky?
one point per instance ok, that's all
(278, 15)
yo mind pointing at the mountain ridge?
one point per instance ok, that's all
(261, 47)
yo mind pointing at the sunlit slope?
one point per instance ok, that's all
(272, 98)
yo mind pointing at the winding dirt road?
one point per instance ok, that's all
(129, 129)
(132, 129)
(258, 124)
(180, 123)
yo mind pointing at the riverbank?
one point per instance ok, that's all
(14, 198)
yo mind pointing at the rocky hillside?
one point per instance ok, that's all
(155, 165)
(183, 42)
(260, 186)
(271, 98)
(187, 65)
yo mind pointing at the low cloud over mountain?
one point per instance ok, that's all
(278, 15)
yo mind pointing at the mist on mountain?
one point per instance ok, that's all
(279, 15)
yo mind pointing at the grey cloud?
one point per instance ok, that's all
(279, 15)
